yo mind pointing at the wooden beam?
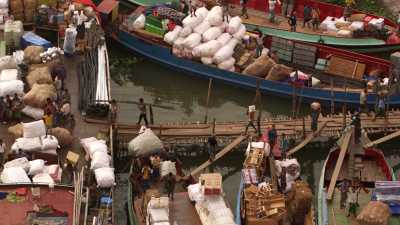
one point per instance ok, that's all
(219, 155)
(343, 149)
(383, 139)
(307, 139)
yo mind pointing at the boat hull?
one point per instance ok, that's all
(163, 56)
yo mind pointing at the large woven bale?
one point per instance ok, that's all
(16, 130)
(32, 54)
(278, 72)
(38, 95)
(63, 136)
(374, 213)
(39, 75)
(261, 66)
(299, 201)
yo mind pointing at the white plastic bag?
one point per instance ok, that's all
(145, 143)
(36, 166)
(100, 160)
(35, 113)
(202, 27)
(139, 22)
(9, 74)
(14, 175)
(192, 41)
(34, 129)
(224, 38)
(227, 64)
(11, 87)
(42, 178)
(171, 36)
(211, 34)
(19, 162)
(234, 25)
(105, 177)
(240, 33)
(49, 142)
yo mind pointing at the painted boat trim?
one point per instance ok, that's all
(164, 56)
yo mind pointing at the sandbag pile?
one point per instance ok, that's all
(32, 54)
(260, 67)
(39, 75)
(374, 213)
(38, 95)
(146, 143)
(207, 38)
(100, 162)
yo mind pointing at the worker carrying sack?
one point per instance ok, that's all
(145, 143)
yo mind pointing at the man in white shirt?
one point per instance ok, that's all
(271, 8)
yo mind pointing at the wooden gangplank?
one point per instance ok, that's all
(308, 139)
(219, 155)
(343, 149)
(383, 139)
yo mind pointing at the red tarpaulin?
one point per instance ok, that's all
(88, 3)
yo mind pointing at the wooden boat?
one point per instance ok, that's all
(269, 196)
(335, 92)
(372, 166)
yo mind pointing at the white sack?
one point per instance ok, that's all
(18, 56)
(207, 60)
(42, 178)
(140, 22)
(167, 167)
(8, 62)
(224, 38)
(85, 142)
(9, 74)
(36, 166)
(11, 87)
(171, 36)
(28, 144)
(208, 49)
(158, 203)
(22, 162)
(357, 25)
(35, 113)
(240, 33)
(96, 146)
(227, 64)
(234, 25)
(192, 41)
(192, 21)
(105, 177)
(214, 17)
(100, 160)
(49, 142)
(202, 12)
(34, 129)
(186, 31)
(225, 52)
(195, 193)
(145, 143)
(14, 175)
(202, 27)
(211, 34)
(178, 43)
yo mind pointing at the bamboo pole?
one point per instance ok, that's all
(332, 97)
(208, 99)
(151, 114)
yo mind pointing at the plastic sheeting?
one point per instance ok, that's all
(31, 38)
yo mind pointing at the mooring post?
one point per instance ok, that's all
(151, 114)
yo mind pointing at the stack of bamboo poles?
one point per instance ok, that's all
(88, 70)
(102, 88)
(78, 183)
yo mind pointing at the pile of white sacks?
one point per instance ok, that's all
(35, 139)
(17, 171)
(10, 83)
(100, 161)
(207, 37)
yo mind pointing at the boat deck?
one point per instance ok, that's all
(61, 199)
(181, 211)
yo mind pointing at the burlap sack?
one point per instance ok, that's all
(63, 136)
(261, 66)
(39, 75)
(299, 201)
(16, 5)
(32, 54)
(357, 17)
(38, 95)
(374, 213)
(16, 130)
(278, 72)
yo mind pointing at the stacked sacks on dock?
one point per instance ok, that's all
(9, 77)
(97, 151)
(39, 75)
(39, 94)
(207, 38)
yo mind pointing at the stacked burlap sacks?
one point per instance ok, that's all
(63, 136)
(32, 54)
(298, 202)
(260, 67)
(39, 75)
(17, 9)
(38, 95)
(29, 10)
(279, 72)
(16, 130)
(374, 213)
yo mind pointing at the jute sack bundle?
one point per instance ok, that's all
(260, 66)
(32, 54)
(63, 136)
(16, 5)
(299, 201)
(374, 213)
(39, 75)
(38, 95)
(16, 130)
(278, 71)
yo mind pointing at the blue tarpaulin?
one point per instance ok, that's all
(31, 38)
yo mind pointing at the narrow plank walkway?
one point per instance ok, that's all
(383, 139)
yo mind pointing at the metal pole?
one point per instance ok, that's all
(208, 99)
(151, 114)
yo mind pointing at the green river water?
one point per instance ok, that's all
(185, 97)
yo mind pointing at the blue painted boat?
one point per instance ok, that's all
(162, 54)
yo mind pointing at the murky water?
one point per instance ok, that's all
(183, 98)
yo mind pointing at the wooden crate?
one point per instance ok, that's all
(211, 183)
(345, 68)
(255, 158)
